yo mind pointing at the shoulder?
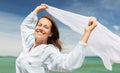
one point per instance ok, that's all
(52, 49)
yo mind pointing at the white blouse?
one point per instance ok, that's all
(43, 58)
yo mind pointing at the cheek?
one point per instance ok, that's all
(48, 32)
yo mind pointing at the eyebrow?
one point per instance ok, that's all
(44, 25)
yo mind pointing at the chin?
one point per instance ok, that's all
(39, 37)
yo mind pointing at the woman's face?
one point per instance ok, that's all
(43, 30)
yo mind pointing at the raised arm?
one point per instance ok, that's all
(89, 28)
(28, 25)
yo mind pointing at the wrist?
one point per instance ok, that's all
(85, 36)
(87, 32)
(36, 10)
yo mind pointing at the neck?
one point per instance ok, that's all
(38, 42)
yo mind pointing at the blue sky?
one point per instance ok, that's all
(12, 13)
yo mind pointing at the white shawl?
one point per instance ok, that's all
(102, 41)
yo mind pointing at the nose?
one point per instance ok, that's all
(41, 28)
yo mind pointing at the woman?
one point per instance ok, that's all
(41, 45)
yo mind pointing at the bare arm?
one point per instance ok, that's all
(89, 28)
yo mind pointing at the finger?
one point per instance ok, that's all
(45, 5)
(93, 19)
(94, 25)
(90, 23)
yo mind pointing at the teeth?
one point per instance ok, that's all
(40, 33)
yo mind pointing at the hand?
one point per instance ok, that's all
(91, 25)
(40, 8)
(89, 28)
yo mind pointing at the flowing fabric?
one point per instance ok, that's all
(102, 41)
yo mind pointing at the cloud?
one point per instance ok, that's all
(9, 34)
(10, 23)
(116, 27)
(81, 7)
(9, 45)
(70, 38)
(110, 4)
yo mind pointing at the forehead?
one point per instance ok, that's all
(45, 21)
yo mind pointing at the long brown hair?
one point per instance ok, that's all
(54, 39)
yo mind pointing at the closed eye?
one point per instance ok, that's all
(46, 27)
(39, 24)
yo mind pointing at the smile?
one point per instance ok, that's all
(40, 32)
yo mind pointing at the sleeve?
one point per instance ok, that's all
(68, 62)
(27, 30)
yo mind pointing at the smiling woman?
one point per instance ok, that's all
(42, 48)
(46, 25)
(43, 30)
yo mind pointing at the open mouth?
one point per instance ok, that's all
(40, 32)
